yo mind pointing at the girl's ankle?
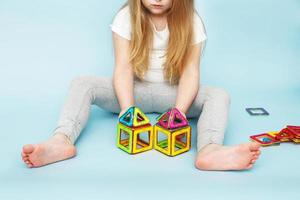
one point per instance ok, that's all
(208, 148)
(62, 137)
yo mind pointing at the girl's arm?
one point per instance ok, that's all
(188, 85)
(123, 73)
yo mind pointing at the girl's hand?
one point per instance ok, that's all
(181, 112)
(122, 112)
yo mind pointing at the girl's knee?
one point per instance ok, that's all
(80, 80)
(220, 94)
(89, 81)
(80, 86)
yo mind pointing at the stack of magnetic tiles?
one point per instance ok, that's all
(288, 134)
(171, 134)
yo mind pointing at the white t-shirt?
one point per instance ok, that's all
(122, 26)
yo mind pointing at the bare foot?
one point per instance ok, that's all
(55, 149)
(217, 157)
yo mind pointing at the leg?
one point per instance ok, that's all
(84, 91)
(91, 90)
(76, 109)
(211, 128)
(212, 105)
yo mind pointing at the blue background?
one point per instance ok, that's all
(253, 51)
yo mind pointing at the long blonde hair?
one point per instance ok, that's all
(180, 23)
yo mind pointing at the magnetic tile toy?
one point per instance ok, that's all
(264, 139)
(134, 132)
(172, 133)
(288, 134)
(257, 111)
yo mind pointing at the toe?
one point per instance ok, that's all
(249, 166)
(23, 154)
(253, 161)
(28, 162)
(254, 146)
(30, 165)
(24, 158)
(28, 149)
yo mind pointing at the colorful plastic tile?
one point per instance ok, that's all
(181, 141)
(162, 139)
(127, 117)
(134, 117)
(273, 133)
(296, 140)
(285, 135)
(172, 142)
(142, 139)
(295, 130)
(172, 119)
(135, 140)
(264, 139)
(124, 138)
(257, 111)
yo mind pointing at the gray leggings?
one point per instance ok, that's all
(211, 105)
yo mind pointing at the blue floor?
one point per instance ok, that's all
(253, 51)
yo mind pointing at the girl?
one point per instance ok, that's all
(157, 46)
